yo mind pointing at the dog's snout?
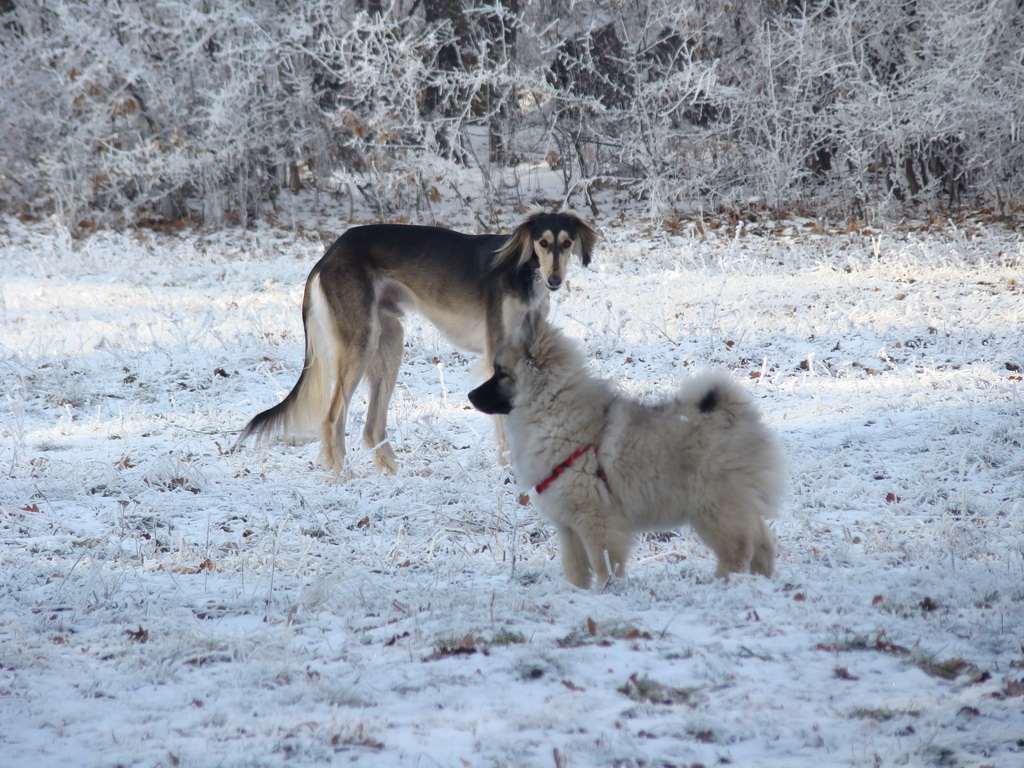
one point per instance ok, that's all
(489, 399)
(554, 282)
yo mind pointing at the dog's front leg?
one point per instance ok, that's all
(495, 335)
(575, 563)
(502, 439)
(607, 549)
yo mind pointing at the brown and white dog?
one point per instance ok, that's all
(475, 288)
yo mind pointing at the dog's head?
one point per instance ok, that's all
(526, 363)
(548, 238)
(497, 395)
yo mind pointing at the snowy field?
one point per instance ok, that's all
(164, 603)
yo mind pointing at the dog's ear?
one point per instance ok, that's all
(585, 236)
(519, 247)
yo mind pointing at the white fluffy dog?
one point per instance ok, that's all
(603, 466)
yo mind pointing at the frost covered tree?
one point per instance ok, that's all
(173, 110)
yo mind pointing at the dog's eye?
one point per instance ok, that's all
(544, 243)
(566, 244)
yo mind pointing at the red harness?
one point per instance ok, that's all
(557, 472)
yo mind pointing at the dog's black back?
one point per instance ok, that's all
(444, 265)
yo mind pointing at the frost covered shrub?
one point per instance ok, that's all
(201, 110)
(206, 110)
(148, 106)
(181, 109)
(908, 102)
(848, 105)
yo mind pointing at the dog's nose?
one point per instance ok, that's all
(554, 282)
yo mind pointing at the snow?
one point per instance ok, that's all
(166, 603)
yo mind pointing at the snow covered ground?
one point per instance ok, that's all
(164, 603)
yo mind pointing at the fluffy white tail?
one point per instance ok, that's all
(299, 416)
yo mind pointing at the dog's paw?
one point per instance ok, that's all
(385, 459)
(331, 460)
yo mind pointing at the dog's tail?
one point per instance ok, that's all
(714, 398)
(714, 394)
(299, 415)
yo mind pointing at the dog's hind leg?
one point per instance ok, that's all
(733, 537)
(354, 333)
(347, 373)
(575, 563)
(763, 562)
(382, 373)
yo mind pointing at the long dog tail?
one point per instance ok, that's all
(298, 417)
